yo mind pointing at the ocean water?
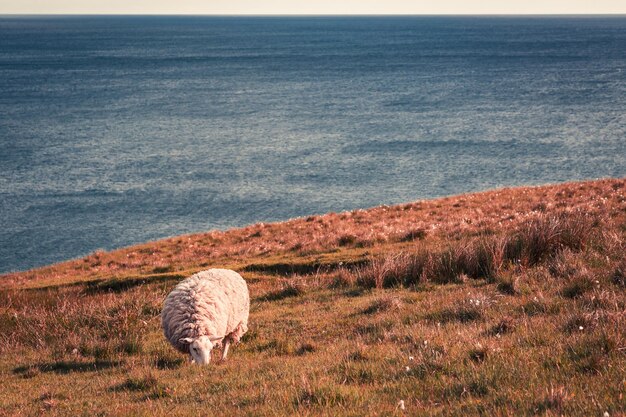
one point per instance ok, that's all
(119, 130)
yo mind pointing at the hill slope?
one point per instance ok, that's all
(508, 302)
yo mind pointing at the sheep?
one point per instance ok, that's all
(205, 310)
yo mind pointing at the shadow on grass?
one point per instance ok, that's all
(287, 269)
(137, 384)
(168, 363)
(117, 285)
(281, 294)
(149, 384)
(63, 367)
(464, 314)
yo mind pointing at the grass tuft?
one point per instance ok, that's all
(554, 400)
(577, 286)
(503, 327)
(291, 288)
(460, 314)
(383, 305)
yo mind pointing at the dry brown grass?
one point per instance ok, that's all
(450, 218)
(511, 302)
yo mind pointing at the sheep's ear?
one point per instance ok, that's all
(187, 340)
(215, 338)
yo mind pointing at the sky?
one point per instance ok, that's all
(273, 7)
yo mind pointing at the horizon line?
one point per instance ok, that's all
(318, 14)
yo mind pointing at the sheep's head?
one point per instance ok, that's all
(200, 348)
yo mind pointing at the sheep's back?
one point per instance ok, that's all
(212, 302)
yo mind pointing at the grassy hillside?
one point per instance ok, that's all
(508, 302)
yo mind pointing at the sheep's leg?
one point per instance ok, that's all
(226, 346)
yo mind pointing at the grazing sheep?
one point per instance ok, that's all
(205, 309)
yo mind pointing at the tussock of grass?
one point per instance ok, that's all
(619, 274)
(307, 347)
(291, 288)
(144, 383)
(591, 353)
(503, 327)
(578, 285)
(399, 269)
(478, 355)
(485, 257)
(554, 400)
(148, 384)
(506, 286)
(384, 304)
(415, 234)
(323, 395)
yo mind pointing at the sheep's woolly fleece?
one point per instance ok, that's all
(210, 303)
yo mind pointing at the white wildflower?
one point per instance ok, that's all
(401, 405)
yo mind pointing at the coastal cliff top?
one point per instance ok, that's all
(345, 236)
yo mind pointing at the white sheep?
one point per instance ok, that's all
(205, 309)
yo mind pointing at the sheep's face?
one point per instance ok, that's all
(200, 350)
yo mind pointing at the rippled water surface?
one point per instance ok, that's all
(118, 130)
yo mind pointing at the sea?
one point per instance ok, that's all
(116, 130)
